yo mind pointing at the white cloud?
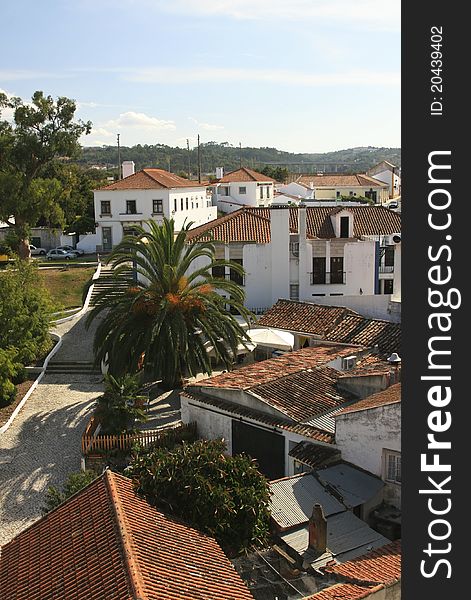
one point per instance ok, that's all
(135, 119)
(205, 126)
(167, 75)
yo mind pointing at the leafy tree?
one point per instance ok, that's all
(41, 131)
(120, 405)
(9, 369)
(75, 482)
(171, 310)
(25, 309)
(223, 496)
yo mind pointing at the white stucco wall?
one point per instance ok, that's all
(363, 436)
(252, 197)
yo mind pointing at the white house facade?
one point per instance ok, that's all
(389, 174)
(243, 187)
(150, 194)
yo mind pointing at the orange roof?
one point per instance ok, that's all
(253, 224)
(391, 395)
(149, 179)
(344, 591)
(340, 180)
(244, 174)
(107, 542)
(382, 565)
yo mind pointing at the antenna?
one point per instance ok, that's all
(189, 158)
(240, 155)
(199, 160)
(119, 158)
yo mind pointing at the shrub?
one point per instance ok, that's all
(74, 483)
(223, 496)
(9, 371)
(120, 405)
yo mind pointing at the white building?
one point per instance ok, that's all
(368, 434)
(243, 187)
(145, 195)
(389, 174)
(308, 253)
(337, 186)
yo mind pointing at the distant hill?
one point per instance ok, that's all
(224, 155)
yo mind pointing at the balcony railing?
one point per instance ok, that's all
(337, 277)
(386, 268)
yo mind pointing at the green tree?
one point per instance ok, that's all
(223, 496)
(75, 482)
(25, 309)
(41, 131)
(171, 309)
(120, 405)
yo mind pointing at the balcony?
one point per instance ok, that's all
(386, 268)
(336, 277)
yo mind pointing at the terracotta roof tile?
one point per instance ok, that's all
(148, 179)
(340, 180)
(391, 395)
(354, 329)
(382, 565)
(344, 591)
(314, 455)
(244, 174)
(303, 317)
(253, 224)
(107, 542)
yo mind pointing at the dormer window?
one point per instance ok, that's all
(344, 227)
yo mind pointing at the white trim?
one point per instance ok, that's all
(35, 383)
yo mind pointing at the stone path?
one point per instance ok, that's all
(42, 446)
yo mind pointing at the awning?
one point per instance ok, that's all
(272, 338)
(241, 348)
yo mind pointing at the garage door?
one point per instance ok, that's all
(267, 447)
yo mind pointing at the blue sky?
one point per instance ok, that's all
(300, 75)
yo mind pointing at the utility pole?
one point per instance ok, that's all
(189, 157)
(199, 160)
(119, 159)
(240, 155)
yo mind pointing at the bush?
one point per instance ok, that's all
(120, 405)
(223, 496)
(75, 482)
(10, 369)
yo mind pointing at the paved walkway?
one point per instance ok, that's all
(42, 446)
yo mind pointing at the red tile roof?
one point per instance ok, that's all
(340, 180)
(250, 224)
(149, 179)
(382, 565)
(314, 455)
(391, 395)
(244, 174)
(344, 591)
(107, 542)
(354, 329)
(303, 317)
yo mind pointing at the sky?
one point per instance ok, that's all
(298, 75)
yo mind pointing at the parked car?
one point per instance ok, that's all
(58, 254)
(393, 204)
(37, 251)
(77, 251)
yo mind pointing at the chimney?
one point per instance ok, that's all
(219, 172)
(318, 530)
(128, 168)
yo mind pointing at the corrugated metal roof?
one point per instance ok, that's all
(293, 498)
(354, 486)
(314, 455)
(347, 537)
(326, 420)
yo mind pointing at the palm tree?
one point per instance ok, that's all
(172, 308)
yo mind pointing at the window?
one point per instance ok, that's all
(225, 191)
(105, 207)
(186, 202)
(174, 205)
(268, 191)
(196, 204)
(294, 291)
(338, 195)
(157, 207)
(389, 256)
(261, 192)
(234, 276)
(131, 207)
(181, 204)
(336, 269)
(392, 466)
(219, 271)
(318, 270)
(344, 227)
(388, 286)
(242, 189)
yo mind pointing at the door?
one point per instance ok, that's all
(266, 447)
(107, 239)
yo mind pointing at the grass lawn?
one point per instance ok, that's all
(65, 285)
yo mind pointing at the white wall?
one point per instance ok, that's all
(362, 436)
(296, 189)
(371, 306)
(236, 200)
